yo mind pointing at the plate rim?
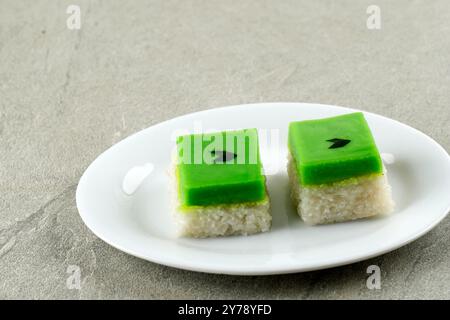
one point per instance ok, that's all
(267, 270)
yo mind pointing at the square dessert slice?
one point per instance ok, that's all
(220, 185)
(335, 170)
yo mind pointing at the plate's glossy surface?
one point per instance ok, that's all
(140, 224)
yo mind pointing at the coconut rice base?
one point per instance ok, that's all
(221, 220)
(352, 199)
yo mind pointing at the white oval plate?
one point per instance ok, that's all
(141, 224)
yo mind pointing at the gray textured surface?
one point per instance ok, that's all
(65, 96)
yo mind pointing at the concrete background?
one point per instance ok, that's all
(67, 95)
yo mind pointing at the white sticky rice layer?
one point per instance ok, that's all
(214, 221)
(363, 197)
(221, 220)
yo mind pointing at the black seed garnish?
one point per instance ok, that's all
(223, 156)
(338, 143)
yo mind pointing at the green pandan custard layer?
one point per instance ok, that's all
(219, 168)
(333, 149)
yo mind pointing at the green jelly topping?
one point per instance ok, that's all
(219, 168)
(333, 149)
